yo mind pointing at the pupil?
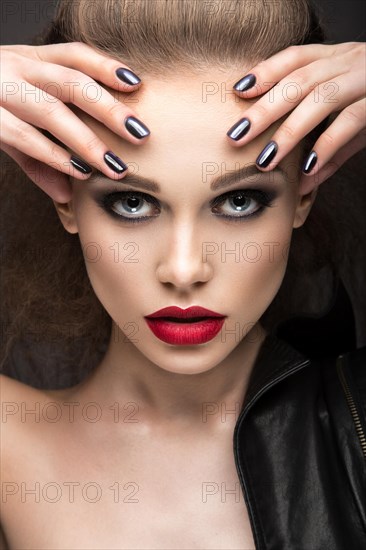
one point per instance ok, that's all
(239, 200)
(132, 203)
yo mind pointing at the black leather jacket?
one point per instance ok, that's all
(300, 450)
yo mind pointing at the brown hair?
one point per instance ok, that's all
(47, 296)
(156, 36)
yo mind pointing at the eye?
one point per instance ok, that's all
(135, 206)
(243, 203)
(131, 206)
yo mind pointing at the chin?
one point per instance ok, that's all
(188, 359)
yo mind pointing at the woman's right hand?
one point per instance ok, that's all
(36, 82)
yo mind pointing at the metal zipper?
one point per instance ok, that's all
(351, 404)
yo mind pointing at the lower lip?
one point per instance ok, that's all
(185, 334)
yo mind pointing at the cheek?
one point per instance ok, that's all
(114, 260)
(116, 275)
(256, 274)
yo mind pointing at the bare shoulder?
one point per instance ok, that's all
(21, 416)
(9, 387)
(14, 397)
(12, 394)
(17, 393)
(30, 418)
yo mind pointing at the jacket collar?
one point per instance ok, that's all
(275, 361)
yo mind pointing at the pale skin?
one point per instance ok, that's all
(309, 83)
(313, 80)
(174, 448)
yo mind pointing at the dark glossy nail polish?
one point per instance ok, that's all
(310, 162)
(80, 165)
(267, 155)
(127, 76)
(114, 162)
(245, 83)
(239, 129)
(136, 127)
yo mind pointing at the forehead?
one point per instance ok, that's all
(188, 116)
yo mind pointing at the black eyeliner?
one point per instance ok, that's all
(265, 197)
(106, 200)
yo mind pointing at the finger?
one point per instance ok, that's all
(83, 58)
(58, 119)
(303, 87)
(20, 135)
(54, 183)
(270, 71)
(70, 86)
(308, 183)
(304, 119)
(348, 124)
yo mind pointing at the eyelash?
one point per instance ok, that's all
(263, 198)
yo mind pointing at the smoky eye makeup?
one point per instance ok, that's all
(128, 206)
(243, 204)
(237, 205)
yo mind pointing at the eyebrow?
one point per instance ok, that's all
(219, 182)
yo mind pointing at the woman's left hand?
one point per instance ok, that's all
(312, 81)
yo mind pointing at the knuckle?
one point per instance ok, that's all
(114, 109)
(355, 114)
(50, 108)
(92, 144)
(327, 138)
(72, 75)
(294, 53)
(286, 132)
(84, 50)
(21, 131)
(77, 46)
(301, 78)
(54, 152)
(260, 110)
(360, 47)
(351, 46)
(9, 55)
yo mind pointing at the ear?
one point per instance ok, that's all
(304, 204)
(66, 214)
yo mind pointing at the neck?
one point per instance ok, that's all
(126, 375)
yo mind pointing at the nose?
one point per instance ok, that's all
(183, 262)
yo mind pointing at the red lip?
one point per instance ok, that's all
(202, 325)
(191, 312)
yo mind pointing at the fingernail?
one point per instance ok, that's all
(80, 165)
(114, 162)
(268, 154)
(245, 83)
(127, 76)
(239, 129)
(310, 162)
(136, 127)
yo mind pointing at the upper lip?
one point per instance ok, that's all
(191, 312)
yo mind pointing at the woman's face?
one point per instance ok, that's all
(215, 248)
